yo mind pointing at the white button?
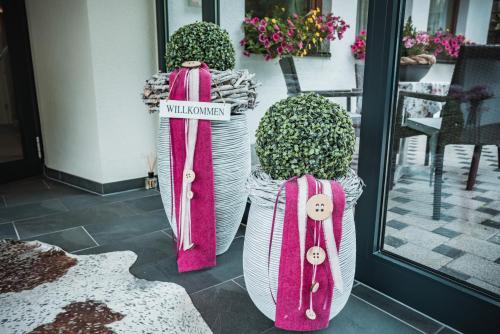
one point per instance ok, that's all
(314, 287)
(189, 175)
(316, 255)
(310, 314)
(319, 207)
(190, 194)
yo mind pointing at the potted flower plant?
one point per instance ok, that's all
(358, 50)
(303, 134)
(208, 43)
(284, 37)
(416, 55)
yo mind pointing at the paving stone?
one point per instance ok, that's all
(495, 239)
(484, 285)
(401, 199)
(482, 248)
(446, 232)
(393, 241)
(423, 256)
(490, 211)
(421, 237)
(454, 273)
(482, 199)
(448, 251)
(399, 210)
(396, 224)
(491, 223)
(477, 231)
(478, 267)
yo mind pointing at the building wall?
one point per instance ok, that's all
(91, 59)
(64, 79)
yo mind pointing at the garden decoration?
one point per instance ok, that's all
(297, 35)
(230, 147)
(300, 247)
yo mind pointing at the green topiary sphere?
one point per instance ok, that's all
(202, 41)
(305, 134)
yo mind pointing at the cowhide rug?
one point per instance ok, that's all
(46, 290)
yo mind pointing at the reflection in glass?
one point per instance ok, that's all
(443, 209)
(10, 135)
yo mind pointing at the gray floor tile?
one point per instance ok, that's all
(145, 204)
(399, 210)
(100, 214)
(495, 239)
(70, 240)
(227, 308)
(31, 210)
(240, 281)
(358, 317)
(7, 231)
(396, 309)
(119, 228)
(491, 223)
(454, 273)
(489, 211)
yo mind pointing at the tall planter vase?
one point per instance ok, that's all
(231, 161)
(259, 282)
(230, 148)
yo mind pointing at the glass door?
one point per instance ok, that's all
(20, 150)
(429, 219)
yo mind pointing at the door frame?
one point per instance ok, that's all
(424, 289)
(24, 95)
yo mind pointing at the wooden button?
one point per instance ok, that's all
(314, 287)
(191, 64)
(189, 175)
(190, 194)
(310, 314)
(319, 207)
(316, 255)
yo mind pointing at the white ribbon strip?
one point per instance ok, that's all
(303, 192)
(191, 131)
(331, 246)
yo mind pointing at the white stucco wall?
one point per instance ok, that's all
(91, 58)
(64, 78)
(315, 73)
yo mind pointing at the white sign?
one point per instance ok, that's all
(196, 110)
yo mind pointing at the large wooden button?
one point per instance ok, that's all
(189, 175)
(310, 314)
(191, 64)
(316, 255)
(319, 207)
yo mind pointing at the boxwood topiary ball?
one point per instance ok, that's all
(305, 134)
(202, 41)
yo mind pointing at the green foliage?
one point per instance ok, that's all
(202, 41)
(305, 134)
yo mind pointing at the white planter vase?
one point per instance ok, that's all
(231, 162)
(258, 231)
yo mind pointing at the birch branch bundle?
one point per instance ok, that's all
(234, 87)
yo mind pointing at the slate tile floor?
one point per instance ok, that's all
(82, 223)
(465, 242)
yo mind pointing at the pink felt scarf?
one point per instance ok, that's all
(202, 213)
(290, 312)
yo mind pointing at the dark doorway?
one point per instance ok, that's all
(20, 141)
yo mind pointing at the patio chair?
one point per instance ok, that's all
(467, 118)
(289, 71)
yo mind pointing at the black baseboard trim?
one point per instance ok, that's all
(93, 186)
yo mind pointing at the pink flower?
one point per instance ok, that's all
(300, 45)
(280, 49)
(262, 38)
(290, 33)
(290, 23)
(267, 44)
(255, 20)
(262, 28)
(362, 32)
(263, 23)
(408, 42)
(246, 53)
(268, 57)
(243, 42)
(276, 27)
(276, 37)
